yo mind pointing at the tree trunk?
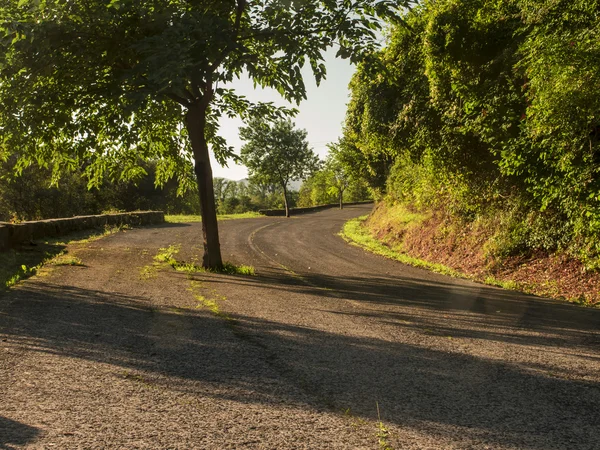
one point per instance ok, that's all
(341, 200)
(196, 124)
(285, 202)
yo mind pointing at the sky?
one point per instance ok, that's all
(321, 115)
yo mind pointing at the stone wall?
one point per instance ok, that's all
(296, 211)
(12, 234)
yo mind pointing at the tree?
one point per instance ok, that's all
(107, 82)
(337, 175)
(335, 182)
(277, 154)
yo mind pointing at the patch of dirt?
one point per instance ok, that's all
(461, 246)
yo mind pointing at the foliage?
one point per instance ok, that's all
(333, 183)
(487, 108)
(238, 197)
(277, 154)
(30, 196)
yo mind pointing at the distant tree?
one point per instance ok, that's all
(277, 154)
(107, 82)
(315, 191)
(338, 178)
(335, 182)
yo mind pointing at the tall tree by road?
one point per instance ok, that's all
(277, 154)
(337, 175)
(105, 83)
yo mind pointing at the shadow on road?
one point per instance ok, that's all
(15, 433)
(477, 307)
(428, 390)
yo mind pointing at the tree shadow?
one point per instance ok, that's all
(249, 360)
(15, 433)
(477, 308)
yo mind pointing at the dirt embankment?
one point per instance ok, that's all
(465, 247)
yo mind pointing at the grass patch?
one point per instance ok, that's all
(227, 268)
(166, 256)
(66, 260)
(356, 234)
(180, 218)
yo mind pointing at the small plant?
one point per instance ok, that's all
(148, 272)
(167, 255)
(23, 273)
(209, 303)
(382, 432)
(231, 269)
(67, 260)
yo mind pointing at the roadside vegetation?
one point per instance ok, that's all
(480, 122)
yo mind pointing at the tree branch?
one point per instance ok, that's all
(176, 98)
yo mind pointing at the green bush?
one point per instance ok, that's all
(489, 109)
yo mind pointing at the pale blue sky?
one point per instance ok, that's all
(321, 115)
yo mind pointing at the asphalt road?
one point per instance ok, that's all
(327, 347)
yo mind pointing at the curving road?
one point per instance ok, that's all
(327, 347)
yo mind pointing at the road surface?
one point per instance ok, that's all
(328, 346)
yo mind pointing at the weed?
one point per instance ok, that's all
(167, 255)
(354, 420)
(66, 260)
(209, 303)
(382, 432)
(189, 268)
(16, 266)
(148, 272)
(227, 268)
(231, 269)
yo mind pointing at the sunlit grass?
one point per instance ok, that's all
(355, 233)
(181, 218)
